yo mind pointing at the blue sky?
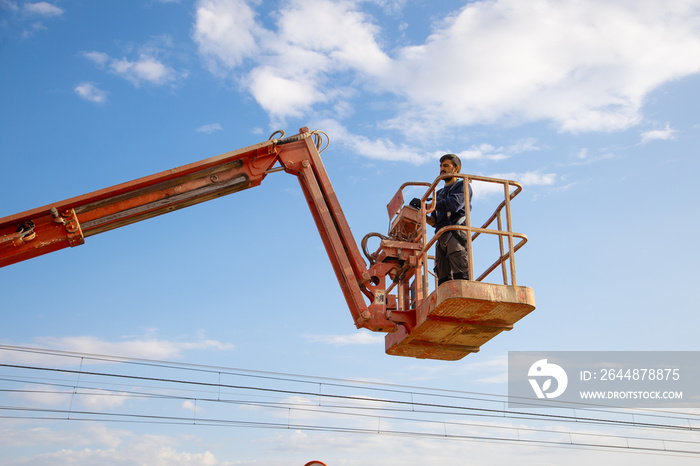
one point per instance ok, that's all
(593, 106)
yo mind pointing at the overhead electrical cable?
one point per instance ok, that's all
(354, 406)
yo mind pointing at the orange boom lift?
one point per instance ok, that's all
(392, 295)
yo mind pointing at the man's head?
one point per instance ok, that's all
(450, 163)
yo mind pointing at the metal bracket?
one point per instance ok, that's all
(25, 232)
(70, 221)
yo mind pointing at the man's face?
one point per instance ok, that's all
(447, 167)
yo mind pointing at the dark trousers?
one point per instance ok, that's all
(451, 258)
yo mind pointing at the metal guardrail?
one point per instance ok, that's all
(509, 242)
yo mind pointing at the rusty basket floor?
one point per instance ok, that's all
(459, 317)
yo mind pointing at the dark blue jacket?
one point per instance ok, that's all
(449, 207)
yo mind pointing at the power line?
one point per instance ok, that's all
(336, 382)
(299, 407)
(179, 420)
(352, 401)
(414, 404)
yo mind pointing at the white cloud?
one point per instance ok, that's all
(100, 58)
(91, 399)
(224, 31)
(381, 149)
(391, 6)
(28, 15)
(342, 33)
(47, 396)
(358, 338)
(89, 91)
(481, 151)
(584, 157)
(14, 434)
(665, 134)
(33, 28)
(282, 96)
(488, 371)
(210, 128)
(124, 448)
(189, 405)
(9, 5)
(99, 399)
(530, 178)
(146, 68)
(150, 348)
(386, 149)
(291, 67)
(484, 189)
(584, 66)
(43, 9)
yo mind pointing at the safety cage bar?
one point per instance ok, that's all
(505, 260)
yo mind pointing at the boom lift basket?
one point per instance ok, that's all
(459, 316)
(393, 295)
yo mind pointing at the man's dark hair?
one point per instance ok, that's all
(452, 158)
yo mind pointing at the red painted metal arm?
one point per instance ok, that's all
(300, 156)
(66, 223)
(445, 324)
